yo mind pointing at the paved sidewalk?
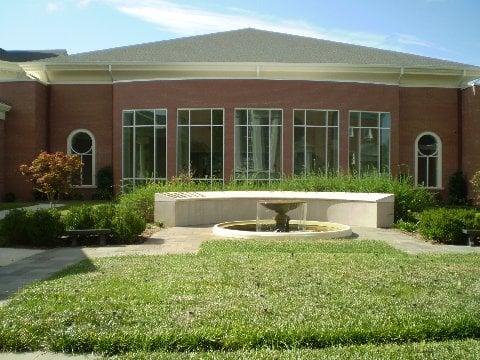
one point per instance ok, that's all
(10, 255)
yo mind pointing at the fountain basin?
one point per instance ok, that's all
(313, 229)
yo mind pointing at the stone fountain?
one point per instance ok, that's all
(281, 208)
(281, 218)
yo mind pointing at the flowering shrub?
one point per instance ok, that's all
(52, 174)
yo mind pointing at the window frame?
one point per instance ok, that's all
(305, 126)
(134, 179)
(269, 127)
(94, 154)
(439, 157)
(379, 128)
(189, 125)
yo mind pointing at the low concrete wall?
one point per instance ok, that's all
(202, 208)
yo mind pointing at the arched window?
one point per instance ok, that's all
(428, 160)
(82, 143)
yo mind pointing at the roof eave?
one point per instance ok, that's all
(50, 72)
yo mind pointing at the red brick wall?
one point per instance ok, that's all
(471, 130)
(82, 107)
(429, 109)
(2, 155)
(25, 129)
(230, 94)
(98, 109)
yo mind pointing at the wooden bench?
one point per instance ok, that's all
(473, 237)
(100, 233)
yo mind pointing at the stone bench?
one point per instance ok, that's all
(211, 207)
(74, 235)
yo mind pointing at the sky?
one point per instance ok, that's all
(445, 29)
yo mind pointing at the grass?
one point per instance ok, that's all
(13, 205)
(447, 350)
(259, 297)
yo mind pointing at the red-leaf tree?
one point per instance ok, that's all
(52, 173)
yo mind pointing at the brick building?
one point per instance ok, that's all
(240, 104)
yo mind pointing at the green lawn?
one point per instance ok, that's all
(247, 297)
(447, 350)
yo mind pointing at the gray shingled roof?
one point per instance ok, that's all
(251, 45)
(29, 55)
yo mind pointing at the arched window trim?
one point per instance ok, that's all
(439, 162)
(94, 152)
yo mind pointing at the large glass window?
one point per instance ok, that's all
(144, 146)
(200, 143)
(428, 160)
(369, 142)
(82, 143)
(258, 144)
(315, 148)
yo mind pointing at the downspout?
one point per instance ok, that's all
(460, 128)
(402, 72)
(110, 73)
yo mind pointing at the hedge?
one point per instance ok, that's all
(445, 224)
(408, 198)
(42, 228)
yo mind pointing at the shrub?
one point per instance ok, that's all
(408, 226)
(13, 227)
(408, 198)
(104, 184)
(32, 228)
(457, 189)
(476, 187)
(102, 216)
(45, 228)
(52, 174)
(79, 218)
(127, 224)
(9, 197)
(445, 225)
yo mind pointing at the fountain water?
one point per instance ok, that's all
(281, 218)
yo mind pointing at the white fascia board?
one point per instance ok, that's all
(261, 69)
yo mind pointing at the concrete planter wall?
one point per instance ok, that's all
(202, 208)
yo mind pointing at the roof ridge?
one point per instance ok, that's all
(257, 46)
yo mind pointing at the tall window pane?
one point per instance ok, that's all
(258, 144)
(82, 144)
(200, 143)
(319, 131)
(128, 152)
(144, 146)
(183, 152)
(160, 146)
(428, 160)
(144, 152)
(369, 142)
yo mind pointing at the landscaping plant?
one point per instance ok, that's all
(52, 173)
(457, 189)
(475, 182)
(408, 198)
(445, 224)
(40, 228)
